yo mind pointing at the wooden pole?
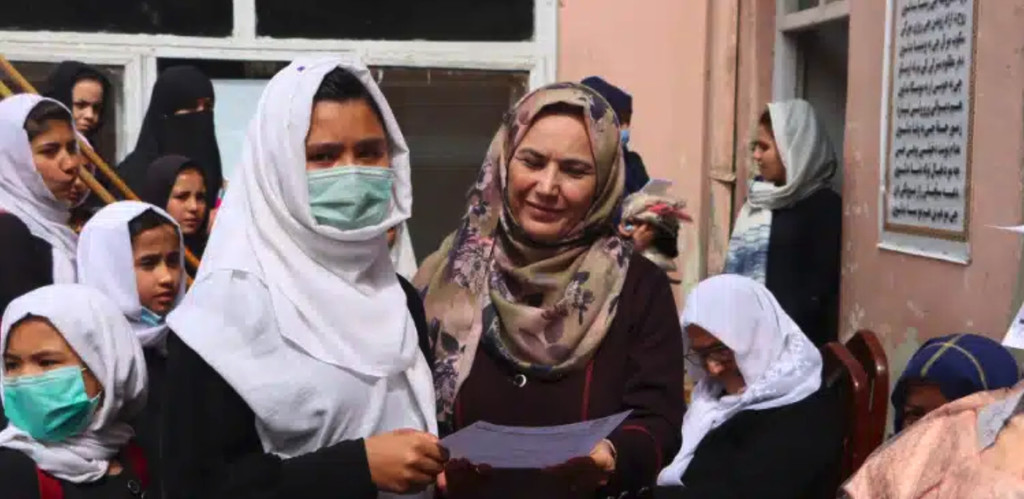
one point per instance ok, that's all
(84, 174)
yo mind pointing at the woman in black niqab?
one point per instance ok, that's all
(179, 121)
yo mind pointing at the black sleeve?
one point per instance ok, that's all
(211, 448)
(18, 475)
(649, 438)
(793, 456)
(419, 316)
(26, 262)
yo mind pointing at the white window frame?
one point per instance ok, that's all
(788, 65)
(138, 53)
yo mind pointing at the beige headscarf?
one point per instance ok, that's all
(468, 282)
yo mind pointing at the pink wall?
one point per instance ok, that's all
(908, 299)
(656, 52)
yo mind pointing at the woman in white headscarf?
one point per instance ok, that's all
(39, 164)
(134, 253)
(788, 233)
(73, 376)
(297, 365)
(759, 424)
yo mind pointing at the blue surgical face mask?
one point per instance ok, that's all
(150, 318)
(51, 406)
(350, 197)
(624, 134)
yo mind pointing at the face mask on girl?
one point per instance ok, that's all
(350, 197)
(50, 407)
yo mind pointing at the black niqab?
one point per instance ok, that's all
(163, 132)
(156, 190)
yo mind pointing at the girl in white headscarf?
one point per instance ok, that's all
(134, 253)
(788, 233)
(39, 164)
(758, 424)
(297, 364)
(73, 376)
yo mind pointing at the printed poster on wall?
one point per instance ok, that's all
(928, 112)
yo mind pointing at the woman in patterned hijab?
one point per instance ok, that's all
(531, 281)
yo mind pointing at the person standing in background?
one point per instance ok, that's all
(86, 91)
(789, 232)
(622, 103)
(83, 89)
(176, 184)
(179, 121)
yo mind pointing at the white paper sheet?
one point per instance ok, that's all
(1015, 336)
(511, 447)
(1018, 229)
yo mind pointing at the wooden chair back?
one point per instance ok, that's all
(868, 350)
(841, 372)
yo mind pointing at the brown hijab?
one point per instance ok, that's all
(544, 308)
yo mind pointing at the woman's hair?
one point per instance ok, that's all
(341, 86)
(38, 120)
(666, 243)
(766, 121)
(147, 220)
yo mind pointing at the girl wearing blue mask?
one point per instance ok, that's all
(296, 367)
(133, 253)
(73, 375)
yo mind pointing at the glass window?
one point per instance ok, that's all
(448, 118)
(441, 20)
(106, 143)
(178, 17)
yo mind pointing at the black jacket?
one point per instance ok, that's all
(790, 452)
(211, 448)
(803, 263)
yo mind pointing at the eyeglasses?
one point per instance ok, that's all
(720, 354)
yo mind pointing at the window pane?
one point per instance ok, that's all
(448, 118)
(455, 20)
(106, 142)
(179, 17)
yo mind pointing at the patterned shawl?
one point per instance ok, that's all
(662, 211)
(478, 284)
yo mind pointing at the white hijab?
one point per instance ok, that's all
(105, 262)
(100, 335)
(402, 255)
(338, 311)
(805, 150)
(780, 365)
(22, 191)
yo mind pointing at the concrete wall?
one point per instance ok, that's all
(908, 299)
(657, 51)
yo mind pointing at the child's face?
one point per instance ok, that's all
(158, 273)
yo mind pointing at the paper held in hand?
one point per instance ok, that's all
(1015, 336)
(513, 447)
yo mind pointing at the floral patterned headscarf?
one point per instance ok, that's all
(544, 308)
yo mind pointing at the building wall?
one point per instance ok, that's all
(907, 299)
(658, 53)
